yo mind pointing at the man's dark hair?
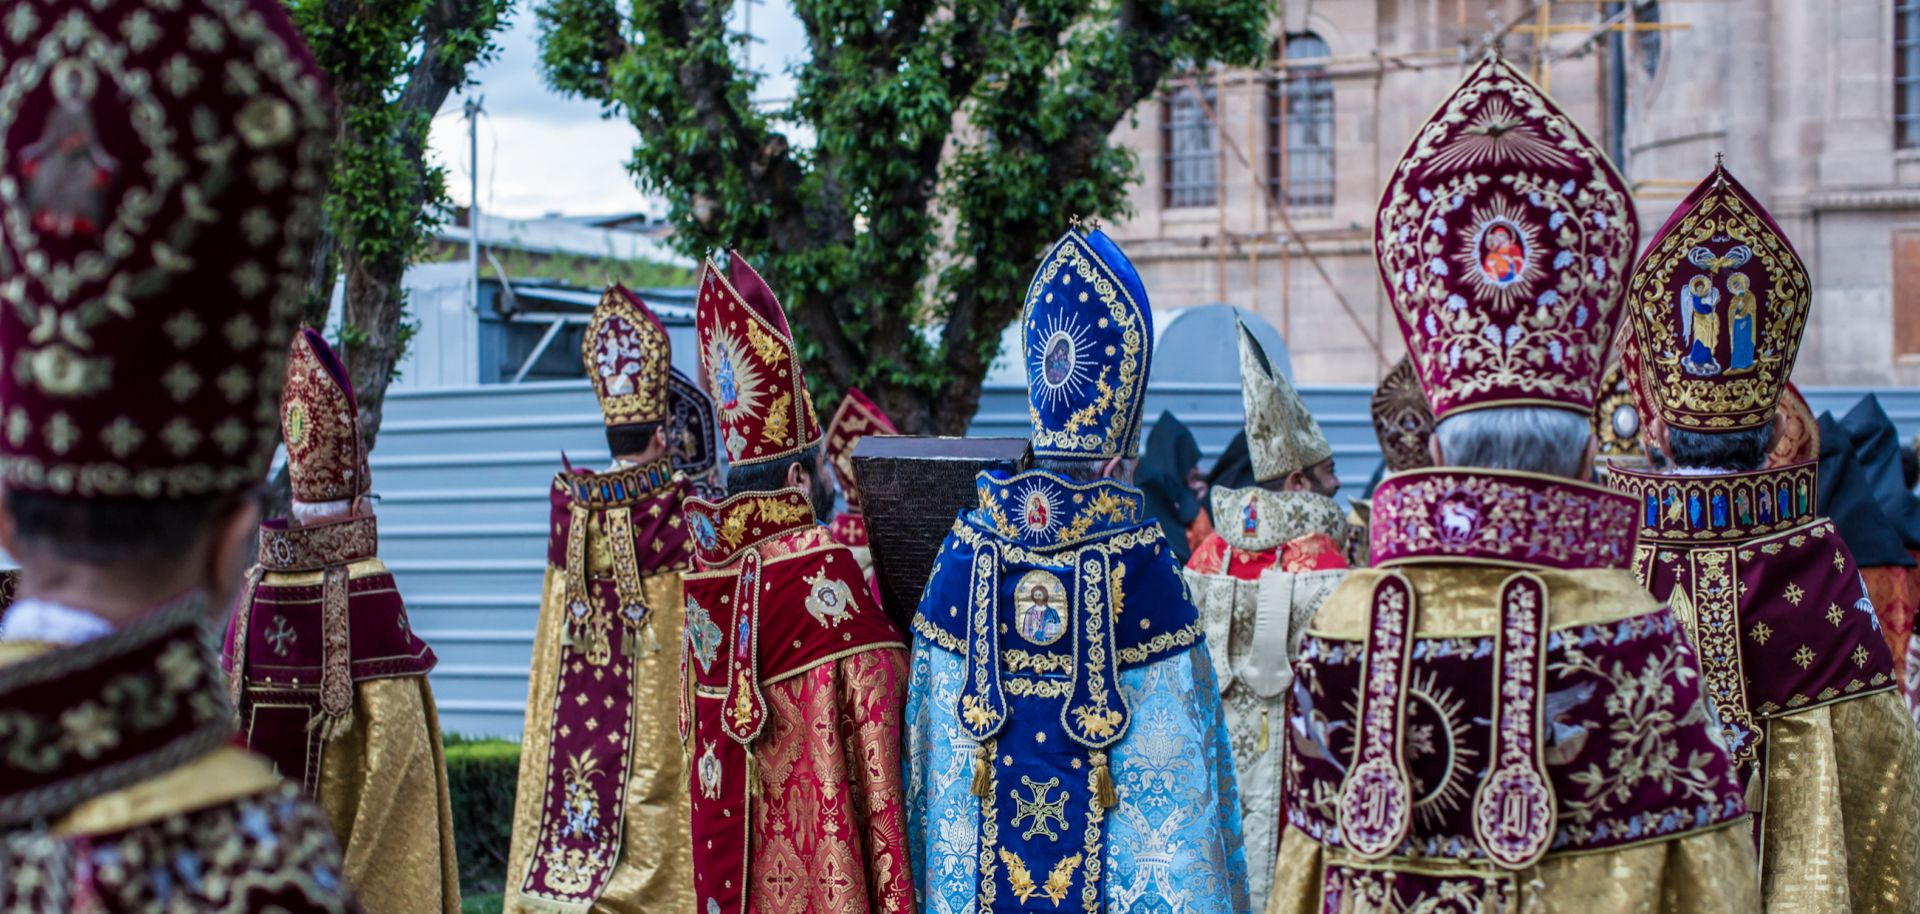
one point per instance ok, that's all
(772, 475)
(127, 533)
(1739, 451)
(631, 439)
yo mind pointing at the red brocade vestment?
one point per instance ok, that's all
(796, 691)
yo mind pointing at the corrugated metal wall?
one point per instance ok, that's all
(463, 475)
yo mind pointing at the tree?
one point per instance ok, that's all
(951, 141)
(392, 64)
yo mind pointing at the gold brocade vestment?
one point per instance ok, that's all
(618, 543)
(1796, 663)
(331, 686)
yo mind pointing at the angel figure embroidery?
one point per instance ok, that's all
(1740, 319)
(1700, 326)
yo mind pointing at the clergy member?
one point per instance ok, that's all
(601, 811)
(1278, 551)
(1067, 741)
(1496, 717)
(1402, 424)
(153, 280)
(1792, 651)
(330, 680)
(857, 417)
(796, 679)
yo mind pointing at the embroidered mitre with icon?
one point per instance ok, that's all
(1272, 558)
(1718, 306)
(329, 677)
(600, 812)
(1794, 655)
(752, 367)
(1448, 722)
(857, 417)
(1066, 737)
(162, 166)
(628, 359)
(794, 680)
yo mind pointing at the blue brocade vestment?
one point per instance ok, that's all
(1017, 723)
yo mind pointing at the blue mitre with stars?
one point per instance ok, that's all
(1089, 345)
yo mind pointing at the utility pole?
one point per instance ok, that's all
(472, 111)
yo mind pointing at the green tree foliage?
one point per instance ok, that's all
(392, 64)
(950, 142)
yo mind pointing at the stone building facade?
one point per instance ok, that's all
(1816, 106)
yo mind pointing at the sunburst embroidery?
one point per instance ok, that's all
(1437, 740)
(1498, 135)
(1061, 370)
(733, 375)
(1039, 509)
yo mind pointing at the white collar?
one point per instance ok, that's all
(30, 619)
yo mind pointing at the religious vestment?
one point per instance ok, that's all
(1067, 744)
(1790, 645)
(795, 679)
(328, 676)
(1895, 585)
(1495, 716)
(131, 798)
(600, 816)
(1270, 561)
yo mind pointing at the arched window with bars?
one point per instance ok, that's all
(1300, 125)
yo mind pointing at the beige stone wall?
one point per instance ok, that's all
(1798, 95)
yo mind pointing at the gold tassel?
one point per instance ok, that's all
(626, 642)
(1103, 791)
(1263, 730)
(652, 641)
(982, 771)
(753, 774)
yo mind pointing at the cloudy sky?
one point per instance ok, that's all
(542, 153)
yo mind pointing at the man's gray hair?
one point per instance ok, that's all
(1537, 439)
(1084, 470)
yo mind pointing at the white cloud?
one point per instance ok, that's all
(541, 152)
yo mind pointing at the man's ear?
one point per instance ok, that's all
(660, 438)
(798, 476)
(1433, 451)
(229, 553)
(1111, 469)
(1653, 435)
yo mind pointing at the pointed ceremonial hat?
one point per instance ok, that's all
(1282, 436)
(1402, 420)
(628, 359)
(857, 417)
(752, 367)
(1718, 305)
(693, 436)
(320, 423)
(161, 173)
(1088, 333)
(1503, 239)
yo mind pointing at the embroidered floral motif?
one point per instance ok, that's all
(1446, 514)
(1376, 803)
(1804, 656)
(1513, 811)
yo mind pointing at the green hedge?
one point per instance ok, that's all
(480, 775)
